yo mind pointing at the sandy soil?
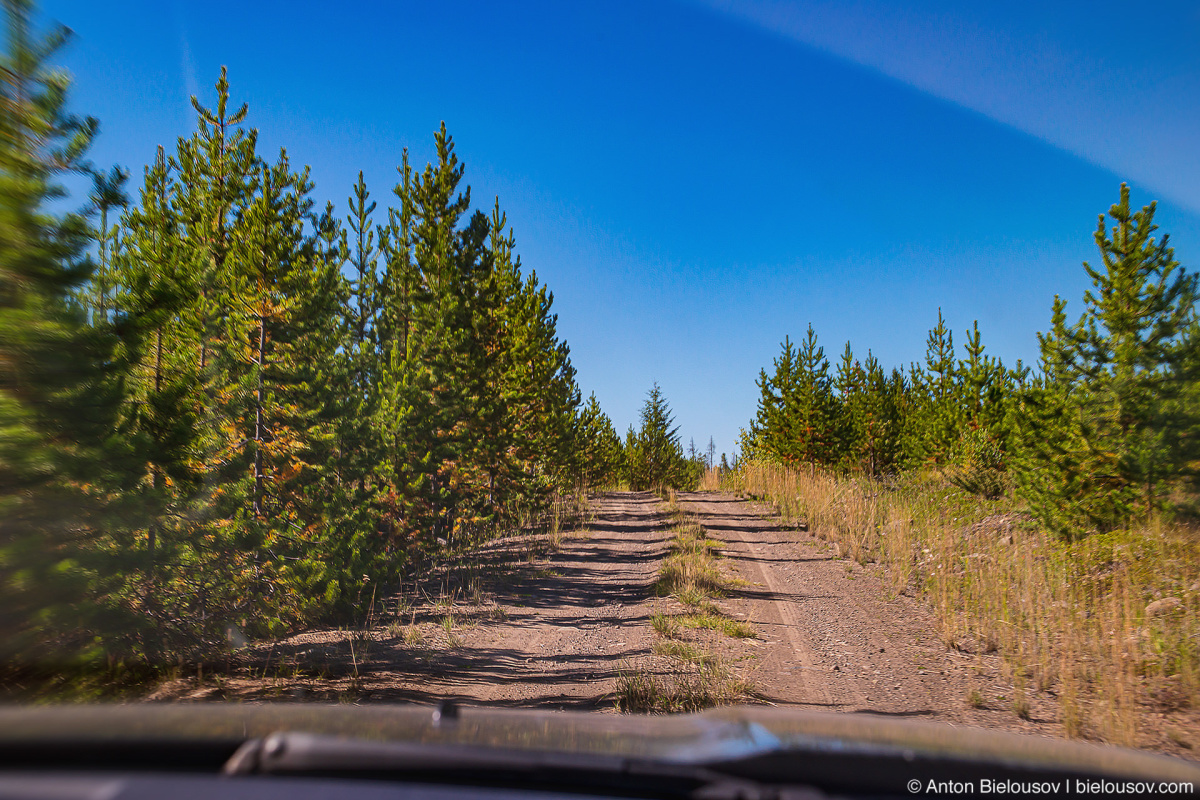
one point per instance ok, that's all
(555, 631)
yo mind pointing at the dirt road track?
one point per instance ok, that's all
(831, 639)
(556, 632)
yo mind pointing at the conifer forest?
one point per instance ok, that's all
(1100, 436)
(226, 404)
(223, 402)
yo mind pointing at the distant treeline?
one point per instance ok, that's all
(1103, 435)
(221, 403)
(650, 457)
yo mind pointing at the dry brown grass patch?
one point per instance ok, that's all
(686, 688)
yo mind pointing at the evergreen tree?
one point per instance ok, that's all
(108, 195)
(397, 285)
(443, 378)
(810, 407)
(869, 414)
(931, 413)
(1105, 435)
(797, 415)
(978, 460)
(397, 292)
(364, 258)
(156, 288)
(768, 433)
(599, 446)
(212, 423)
(548, 377)
(656, 460)
(849, 383)
(274, 363)
(62, 456)
(215, 167)
(631, 459)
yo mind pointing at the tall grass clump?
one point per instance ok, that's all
(693, 684)
(690, 569)
(720, 479)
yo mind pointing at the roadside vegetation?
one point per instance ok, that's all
(1048, 516)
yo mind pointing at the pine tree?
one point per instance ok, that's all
(544, 376)
(498, 283)
(62, 459)
(364, 258)
(880, 414)
(215, 167)
(108, 195)
(1105, 435)
(212, 184)
(397, 288)
(809, 409)
(931, 414)
(436, 401)
(362, 354)
(599, 446)
(657, 460)
(848, 420)
(156, 288)
(397, 285)
(868, 420)
(211, 423)
(631, 459)
(769, 431)
(272, 363)
(978, 459)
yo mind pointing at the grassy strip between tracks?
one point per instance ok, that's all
(695, 678)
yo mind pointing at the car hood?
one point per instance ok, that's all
(715, 735)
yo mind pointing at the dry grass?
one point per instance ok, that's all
(665, 626)
(696, 679)
(1073, 618)
(697, 600)
(689, 687)
(690, 575)
(567, 516)
(691, 568)
(683, 651)
(711, 481)
(413, 636)
(718, 622)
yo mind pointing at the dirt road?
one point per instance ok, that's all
(557, 631)
(830, 638)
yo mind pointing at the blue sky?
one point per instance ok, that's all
(696, 179)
